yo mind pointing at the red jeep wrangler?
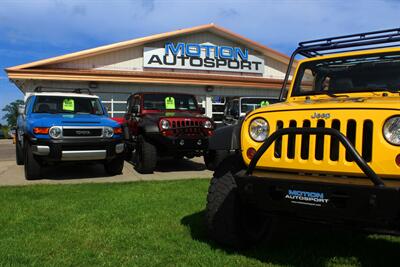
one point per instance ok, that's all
(165, 125)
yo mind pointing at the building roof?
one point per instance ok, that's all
(151, 77)
(143, 40)
(42, 69)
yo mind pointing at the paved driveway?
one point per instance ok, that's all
(11, 174)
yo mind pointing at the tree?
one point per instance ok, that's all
(11, 111)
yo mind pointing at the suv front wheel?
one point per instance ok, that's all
(146, 156)
(229, 220)
(115, 166)
(32, 165)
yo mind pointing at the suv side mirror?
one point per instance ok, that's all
(21, 109)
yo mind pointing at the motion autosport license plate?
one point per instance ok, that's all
(308, 198)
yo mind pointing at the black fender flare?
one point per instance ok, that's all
(226, 138)
(147, 126)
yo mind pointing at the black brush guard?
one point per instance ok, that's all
(375, 207)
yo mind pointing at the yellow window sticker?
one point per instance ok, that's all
(264, 103)
(69, 104)
(169, 102)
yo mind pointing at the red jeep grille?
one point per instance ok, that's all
(187, 127)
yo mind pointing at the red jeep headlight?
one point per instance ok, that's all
(165, 125)
(207, 125)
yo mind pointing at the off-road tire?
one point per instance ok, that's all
(212, 158)
(19, 153)
(115, 166)
(32, 165)
(226, 214)
(146, 156)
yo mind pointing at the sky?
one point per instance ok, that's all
(35, 29)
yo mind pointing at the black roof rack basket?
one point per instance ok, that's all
(340, 44)
(61, 90)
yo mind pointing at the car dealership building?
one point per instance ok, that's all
(207, 61)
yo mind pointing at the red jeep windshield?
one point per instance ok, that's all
(169, 102)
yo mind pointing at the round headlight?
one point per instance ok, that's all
(207, 124)
(108, 132)
(259, 130)
(165, 124)
(391, 130)
(55, 132)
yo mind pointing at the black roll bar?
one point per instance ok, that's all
(339, 44)
(362, 164)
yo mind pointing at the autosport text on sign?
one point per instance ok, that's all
(202, 57)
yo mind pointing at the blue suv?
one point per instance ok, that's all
(59, 127)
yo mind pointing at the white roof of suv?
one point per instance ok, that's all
(59, 94)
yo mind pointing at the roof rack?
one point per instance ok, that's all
(367, 40)
(40, 89)
(339, 44)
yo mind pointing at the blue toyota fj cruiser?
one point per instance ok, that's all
(56, 127)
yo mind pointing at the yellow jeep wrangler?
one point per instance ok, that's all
(328, 152)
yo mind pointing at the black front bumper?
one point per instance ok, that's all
(57, 147)
(367, 207)
(375, 207)
(178, 144)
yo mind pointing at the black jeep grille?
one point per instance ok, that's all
(349, 128)
(187, 127)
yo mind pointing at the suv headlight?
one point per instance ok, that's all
(259, 129)
(55, 132)
(165, 125)
(207, 124)
(391, 130)
(108, 132)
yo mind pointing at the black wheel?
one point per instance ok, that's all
(212, 158)
(115, 166)
(146, 156)
(32, 165)
(229, 220)
(179, 157)
(19, 153)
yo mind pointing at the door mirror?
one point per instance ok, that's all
(21, 109)
(136, 109)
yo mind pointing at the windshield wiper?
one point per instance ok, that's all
(334, 95)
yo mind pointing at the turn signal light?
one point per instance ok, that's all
(40, 130)
(398, 160)
(251, 152)
(118, 130)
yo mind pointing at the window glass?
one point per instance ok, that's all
(250, 104)
(169, 102)
(61, 104)
(366, 73)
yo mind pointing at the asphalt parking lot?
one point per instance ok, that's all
(11, 174)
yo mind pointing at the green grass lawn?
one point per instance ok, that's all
(156, 224)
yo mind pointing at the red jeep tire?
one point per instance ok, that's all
(146, 156)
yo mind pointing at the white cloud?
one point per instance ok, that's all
(280, 24)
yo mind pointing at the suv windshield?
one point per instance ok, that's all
(65, 104)
(365, 73)
(250, 104)
(169, 101)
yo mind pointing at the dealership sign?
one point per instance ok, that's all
(190, 56)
